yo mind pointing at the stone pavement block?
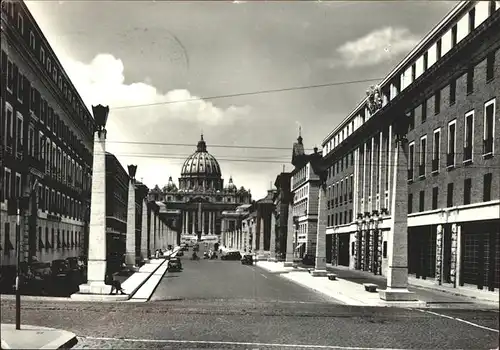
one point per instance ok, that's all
(35, 337)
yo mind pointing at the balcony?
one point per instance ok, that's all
(35, 163)
(467, 154)
(421, 170)
(410, 174)
(450, 160)
(488, 147)
(435, 165)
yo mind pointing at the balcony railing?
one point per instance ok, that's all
(435, 165)
(450, 159)
(421, 170)
(488, 146)
(467, 153)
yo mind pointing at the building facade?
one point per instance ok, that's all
(443, 97)
(195, 208)
(46, 145)
(304, 184)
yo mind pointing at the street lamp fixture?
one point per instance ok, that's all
(101, 117)
(132, 169)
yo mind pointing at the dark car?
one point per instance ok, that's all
(231, 255)
(60, 268)
(247, 259)
(174, 265)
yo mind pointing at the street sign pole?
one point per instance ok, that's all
(18, 253)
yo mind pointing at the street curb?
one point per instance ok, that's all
(65, 339)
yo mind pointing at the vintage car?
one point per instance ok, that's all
(174, 265)
(231, 255)
(247, 259)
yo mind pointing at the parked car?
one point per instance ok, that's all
(308, 260)
(60, 268)
(231, 255)
(174, 265)
(247, 259)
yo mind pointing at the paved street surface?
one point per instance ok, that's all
(227, 324)
(219, 279)
(225, 305)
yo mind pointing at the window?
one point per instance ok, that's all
(49, 65)
(453, 92)
(411, 159)
(19, 131)
(410, 203)
(18, 185)
(423, 156)
(7, 183)
(424, 111)
(411, 122)
(468, 137)
(435, 192)
(489, 126)
(449, 195)
(437, 102)
(454, 35)
(490, 66)
(32, 41)
(450, 161)
(421, 202)
(436, 149)
(20, 87)
(470, 80)
(42, 55)
(10, 76)
(31, 140)
(467, 191)
(472, 18)
(9, 124)
(20, 23)
(487, 179)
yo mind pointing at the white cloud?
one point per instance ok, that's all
(102, 81)
(375, 47)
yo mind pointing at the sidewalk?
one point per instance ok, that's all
(349, 289)
(34, 337)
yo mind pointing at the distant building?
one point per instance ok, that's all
(447, 89)
(46, 131)
(194, 209)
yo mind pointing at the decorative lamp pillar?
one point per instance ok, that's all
(397, 272)
(144, 225)
(320, 263)
(289, 237)
(96, 266)
(272, 238)
(130, 252)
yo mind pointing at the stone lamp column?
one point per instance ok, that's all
(144, 223)
(96, 268)
(272, 238)
(290, 228)
(397, 272)
(130, 258)
(320, 263)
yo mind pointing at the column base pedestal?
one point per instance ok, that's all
(97, 291)
(319, 273)
(397, 294)
(288, 264)
(133, 268)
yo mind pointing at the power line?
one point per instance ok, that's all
(259, 92)
(191, 145)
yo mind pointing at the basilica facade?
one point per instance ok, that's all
(194, 208)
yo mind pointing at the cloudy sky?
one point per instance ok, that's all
(141, 53)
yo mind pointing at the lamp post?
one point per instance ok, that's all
(130, 243)
(97, 264)
(357, 244)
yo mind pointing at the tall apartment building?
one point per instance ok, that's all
(447, 89)
(304, 184)
(48, 131)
